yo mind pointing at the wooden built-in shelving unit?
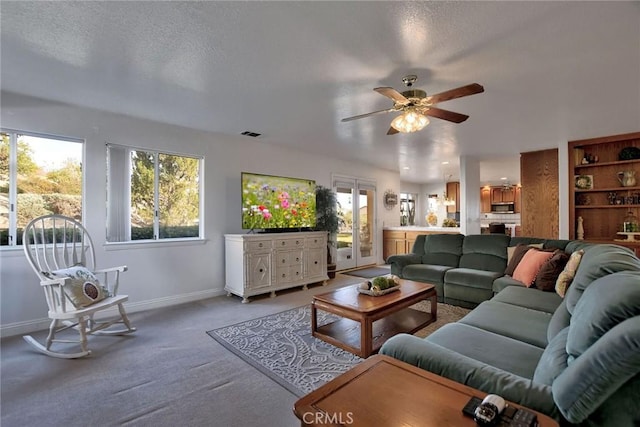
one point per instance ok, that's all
(601, 219)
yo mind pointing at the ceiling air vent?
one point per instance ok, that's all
(252, 134)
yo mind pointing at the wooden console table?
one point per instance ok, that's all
(385, 392)
(368, 321)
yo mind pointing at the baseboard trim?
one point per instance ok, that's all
(29, 326)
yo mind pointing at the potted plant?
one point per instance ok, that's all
(327, 219)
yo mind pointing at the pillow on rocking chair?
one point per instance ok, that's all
(83, 289)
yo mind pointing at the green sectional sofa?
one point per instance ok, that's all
(575, 359)
(466, 270)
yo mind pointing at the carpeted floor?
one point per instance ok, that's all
(281, 346)
(369, 272)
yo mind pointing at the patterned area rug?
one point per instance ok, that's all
(281, 346)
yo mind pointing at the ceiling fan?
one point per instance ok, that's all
(415, 105)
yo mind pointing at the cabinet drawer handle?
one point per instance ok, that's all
(260, 270)
(283, 243)
(283, 261)
(284, 275)
(259, 245)
(297, 259)
(316, 262)
(297, 242)
(297, 273)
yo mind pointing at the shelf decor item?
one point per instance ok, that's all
(580, 228)
(627, 178)
(583, 182)
(629, 153)
(630, 224)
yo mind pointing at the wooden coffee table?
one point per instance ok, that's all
(368, 321)
(382, 391)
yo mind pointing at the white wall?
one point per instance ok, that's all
(159, 274)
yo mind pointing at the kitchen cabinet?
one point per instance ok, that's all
(453, 192)
(393, 243)
(490, 195)
(503, 195)
(485, 199)
(604, 202)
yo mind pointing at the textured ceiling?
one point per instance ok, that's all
(552, 71)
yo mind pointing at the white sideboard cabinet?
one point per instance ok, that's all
(260, 263)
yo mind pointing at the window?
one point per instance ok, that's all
(39, 175)
(408, 208)
(152, 195)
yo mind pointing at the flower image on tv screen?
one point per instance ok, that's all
(271, 202)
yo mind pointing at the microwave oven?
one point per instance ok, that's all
(503, 208)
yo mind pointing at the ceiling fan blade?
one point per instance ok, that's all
(361, 116)
(447, 95)
(392, 131)
(390, 92)
(445, 114)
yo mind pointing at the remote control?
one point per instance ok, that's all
(470, 407)
(524, 418)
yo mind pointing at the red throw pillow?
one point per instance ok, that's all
(528, 267)
(518, 253)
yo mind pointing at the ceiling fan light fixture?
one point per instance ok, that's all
(410, 121)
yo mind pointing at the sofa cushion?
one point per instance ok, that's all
(443, 249)
(598, 261)
(523, 240)
(505, 281)
(501, 352)
(606, 302)
(471, 278)
(466, 370)
(529, 298)
(425, 272)
(556, 244)
(575, 245)
(418, 245)
(528, 268)
(511, 321)
(485, 252)
(550, 271)
(560, 320)
(554, 359)
(599, 372)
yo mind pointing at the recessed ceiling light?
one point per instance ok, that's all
(406, 168)
(445, 163)
(504, 178)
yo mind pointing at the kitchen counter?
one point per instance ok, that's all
(421, 228)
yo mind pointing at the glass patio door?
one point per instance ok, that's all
(356, 208)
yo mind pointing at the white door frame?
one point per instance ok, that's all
(357, 256)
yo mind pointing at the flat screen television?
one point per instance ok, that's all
(277, 203)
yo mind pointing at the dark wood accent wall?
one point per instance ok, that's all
(540, 216)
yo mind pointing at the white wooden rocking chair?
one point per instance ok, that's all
(53, 243)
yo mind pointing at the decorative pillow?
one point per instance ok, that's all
(83, 289)
(550, 270)
(515, 254)
(569, 272)
(528, 267)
